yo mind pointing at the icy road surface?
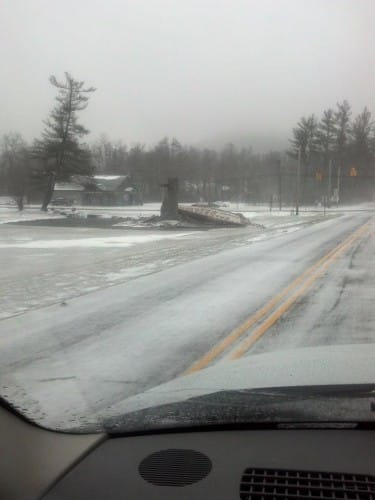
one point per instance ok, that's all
(65, 364)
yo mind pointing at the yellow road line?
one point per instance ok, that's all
(223, 345)
(271, 320)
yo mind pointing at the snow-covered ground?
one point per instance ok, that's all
(9, 211)
(89, 242)
(44, 265)
(12, 214)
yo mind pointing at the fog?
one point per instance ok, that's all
(204, 71)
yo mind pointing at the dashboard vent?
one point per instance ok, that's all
(275, 484)
(175, 467)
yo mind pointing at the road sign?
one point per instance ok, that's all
(353, 172)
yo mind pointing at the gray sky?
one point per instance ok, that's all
(199, 70)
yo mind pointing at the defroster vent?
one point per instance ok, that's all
(275, 484)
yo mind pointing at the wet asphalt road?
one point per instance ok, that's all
(63, 365)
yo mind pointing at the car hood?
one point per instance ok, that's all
(336, 365)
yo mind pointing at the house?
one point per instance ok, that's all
(71, 192)
(102, 190)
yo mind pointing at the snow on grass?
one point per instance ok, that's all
(136, 211)
(98, 242)
(7, 200)
(10, 214)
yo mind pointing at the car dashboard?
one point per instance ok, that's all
(198, 464)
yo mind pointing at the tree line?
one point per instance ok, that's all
(334, 154)
(338, 151)
(231, 173)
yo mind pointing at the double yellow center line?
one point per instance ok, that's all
(299, 286)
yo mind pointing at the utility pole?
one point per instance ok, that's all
(280, 186)
(329, 183)
(298, 181)
(240, 186)
(208, 187)
(338, 183)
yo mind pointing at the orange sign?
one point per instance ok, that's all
(353, 172)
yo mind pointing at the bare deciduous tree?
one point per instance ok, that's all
(14, 161)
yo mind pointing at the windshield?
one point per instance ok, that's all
(187, 213)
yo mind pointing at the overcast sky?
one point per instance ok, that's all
(199, 70)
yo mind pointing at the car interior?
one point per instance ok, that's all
(282, 461)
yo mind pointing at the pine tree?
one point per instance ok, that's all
(305, 138)
(305, 143)
(326, 135)
(60, 147)
(361, 139)
(342, 131)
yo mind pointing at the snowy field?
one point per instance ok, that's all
(258, 213)
(12, 214)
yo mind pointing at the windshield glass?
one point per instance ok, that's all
(187, 213)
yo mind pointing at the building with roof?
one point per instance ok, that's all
(71, 192)
(102, 190)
